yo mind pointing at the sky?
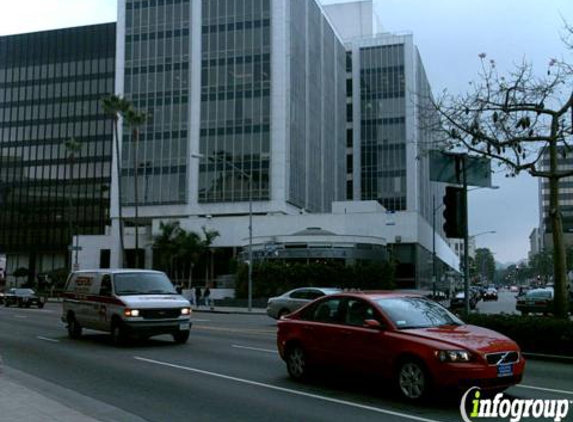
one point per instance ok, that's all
(450, 34)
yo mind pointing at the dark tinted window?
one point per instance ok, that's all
(327, 311)
(299, 294)
(141, 283)
(314, 294)
(358, 311)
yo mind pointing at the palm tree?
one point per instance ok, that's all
(165, 244)
(189, 248)
(210, 236)
(135, 119)
(72, 147)
(115, 106)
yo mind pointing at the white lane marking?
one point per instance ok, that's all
(200, 320)
(550, 390)
(20, 316)
(289, 391)
(48, 339)
(236, 346)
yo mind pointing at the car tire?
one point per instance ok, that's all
(40, 305)
(74, 328)
(412, 379)
(282, 313)
(181, 337)
(118, 334)
(297, 363)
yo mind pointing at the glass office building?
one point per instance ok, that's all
(51, 84)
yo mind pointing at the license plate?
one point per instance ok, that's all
(505, 370)
(183, 326)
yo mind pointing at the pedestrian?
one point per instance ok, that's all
(198, 296)
(207, 296)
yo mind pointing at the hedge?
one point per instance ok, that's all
(272, 279)
(534, 334)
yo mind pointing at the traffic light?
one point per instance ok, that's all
(454, 213)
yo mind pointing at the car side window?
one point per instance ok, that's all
(357, 311)
(314, 294)
(327, 311)
(105, 288)
(299, 294)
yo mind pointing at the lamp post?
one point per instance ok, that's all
(250, 256)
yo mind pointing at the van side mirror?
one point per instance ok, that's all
(374, 324)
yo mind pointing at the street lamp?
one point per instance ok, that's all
(250, 259)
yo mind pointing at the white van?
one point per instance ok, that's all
(125, 302)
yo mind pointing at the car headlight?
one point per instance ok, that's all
(185, 311)
(131, 312)
(453, 355)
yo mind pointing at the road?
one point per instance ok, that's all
(505, 303)
(228, 371)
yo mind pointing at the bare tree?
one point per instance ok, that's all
(522, 121)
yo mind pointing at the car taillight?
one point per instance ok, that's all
(541, 302)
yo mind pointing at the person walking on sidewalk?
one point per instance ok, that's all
(198, 296)
(207, 296)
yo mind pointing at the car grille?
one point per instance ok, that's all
(502, 357)
(160, 313)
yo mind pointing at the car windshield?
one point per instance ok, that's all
(416, 312)
(142, 284)
(24, 292)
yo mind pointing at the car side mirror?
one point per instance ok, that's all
(374, 324)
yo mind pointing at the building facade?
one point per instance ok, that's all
(51, 84)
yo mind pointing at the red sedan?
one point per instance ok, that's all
(409, 339)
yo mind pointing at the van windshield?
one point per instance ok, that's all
(141, 283)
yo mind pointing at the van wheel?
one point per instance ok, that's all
(74, 328)
(118, 334)
(181, 337)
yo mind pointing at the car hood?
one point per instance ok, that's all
(154, 301)
(466, 337)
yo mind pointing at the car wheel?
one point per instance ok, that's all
(20, 304)
(118, 334)
(413, 380)
(40, 305)
(6, 304)
(74, 328)
(297, 365)
(283, 312)
(181, 337)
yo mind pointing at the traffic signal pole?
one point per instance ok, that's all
(466, 237)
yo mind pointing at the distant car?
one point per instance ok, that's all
(490, 294)
(415, 343)
(294, 299)
(23, 298)
(514, 289)
(536, 301)
(458, 302)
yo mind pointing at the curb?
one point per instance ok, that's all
(229, 311)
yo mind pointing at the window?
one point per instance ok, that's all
(358, 311)
(327, 311)
(105, 288)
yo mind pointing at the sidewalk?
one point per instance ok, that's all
(21, 404)
(25, 398)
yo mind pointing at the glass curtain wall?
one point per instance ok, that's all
(235, 100)
(157, 48)
(383, 125)
(51, 84)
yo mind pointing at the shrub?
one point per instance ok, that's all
(274, 278)
(533, 334)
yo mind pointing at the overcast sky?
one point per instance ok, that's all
(449, 34)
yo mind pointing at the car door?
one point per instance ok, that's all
(365, 348)
(297, 299)
(320, 328)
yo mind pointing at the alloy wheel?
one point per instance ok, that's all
(412, 380)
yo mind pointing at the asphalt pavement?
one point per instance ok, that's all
(229, 370)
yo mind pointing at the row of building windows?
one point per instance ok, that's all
(56, 71)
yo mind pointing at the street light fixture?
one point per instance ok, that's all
(250, 259)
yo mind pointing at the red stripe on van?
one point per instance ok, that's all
(94, 298)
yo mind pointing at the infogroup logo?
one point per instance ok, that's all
(515, 410)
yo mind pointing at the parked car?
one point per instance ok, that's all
(458, 302)
(415, 342)
(536, 301)
(522, 291)
(23, 298)
(490, 294)
(294, 299)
